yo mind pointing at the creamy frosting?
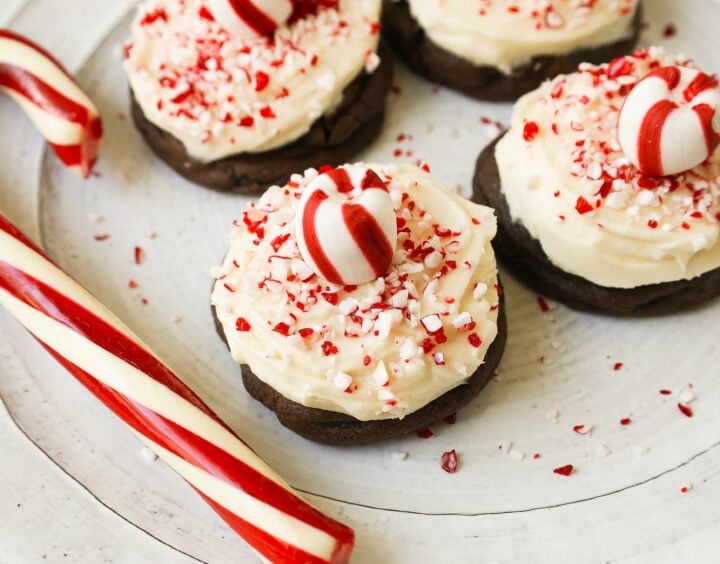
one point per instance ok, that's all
(379, 350)
(567, 180)
(506, 34)
(221, 95)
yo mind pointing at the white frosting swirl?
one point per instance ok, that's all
(379, 350)
(506, 34)
(221, 95)
(567, 180)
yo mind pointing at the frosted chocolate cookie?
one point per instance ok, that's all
(238, 113)
(500, 49)
(362, 302)
(607, 186)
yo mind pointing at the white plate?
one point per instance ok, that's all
(99, 497)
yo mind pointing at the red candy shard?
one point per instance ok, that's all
(475, 340)
(449, 461)
(564, 470)
(530, 131)
(242, 324)
(328, 348)
(426, 433)
(686, 410)
(583, 206)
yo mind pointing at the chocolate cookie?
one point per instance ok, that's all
(428, 59)
(524, 256)
(339, 429)
(332, 139)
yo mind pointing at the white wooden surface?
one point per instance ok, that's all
(77, 487)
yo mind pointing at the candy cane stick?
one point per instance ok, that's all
(114, 364)
(52, 100)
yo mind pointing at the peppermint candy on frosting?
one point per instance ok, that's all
(670, 122)
(249, 19)
(346, 226)
(52, 100)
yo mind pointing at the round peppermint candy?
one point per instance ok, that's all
(346, 227)
(251, 18)
(669, 122)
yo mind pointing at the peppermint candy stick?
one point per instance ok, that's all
(52, 100)
(114, 364)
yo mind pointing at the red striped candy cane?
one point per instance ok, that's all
(115, 366)
(251, 18)
(52, 100)
(346, 226)
(670, 122)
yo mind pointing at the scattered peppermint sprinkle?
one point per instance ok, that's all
(399, 456)
(686, 396)
(686, 487)
(641, 450)
(564, 470)
(505, 447)
(583, 429)
(685, 410)
(449, 461)
(669, 31)
(426, 433)
(603, 451)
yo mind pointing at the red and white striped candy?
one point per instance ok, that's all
(116, 367)
(248, 19)
(345, 225)
(52, 100)
(670, 122)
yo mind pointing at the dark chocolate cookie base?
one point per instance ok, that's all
(523, 255)
(333, 139)
(339, 429)
(428, 59)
